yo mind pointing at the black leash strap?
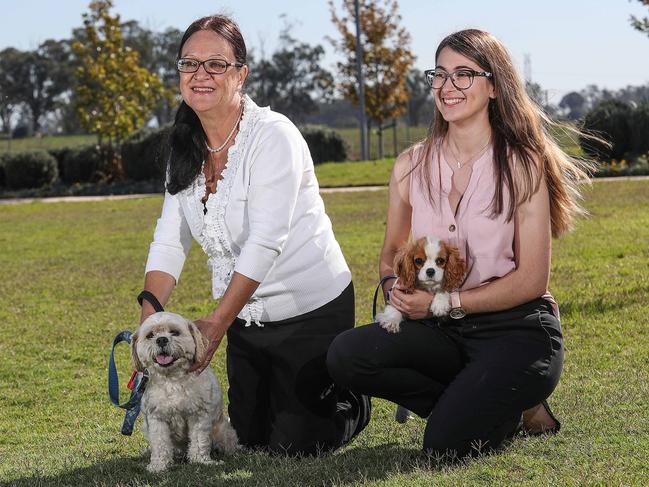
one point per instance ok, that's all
(151, 299)
(376, 293)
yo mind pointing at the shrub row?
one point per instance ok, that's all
(624, 126)
(144, 157)
(145, 154)
(29, 169)
(325, 145)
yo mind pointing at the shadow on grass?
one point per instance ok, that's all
(353, 466)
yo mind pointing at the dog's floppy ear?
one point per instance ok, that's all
(199, 341)
(454, 269)
(404, 265)
(137, 365)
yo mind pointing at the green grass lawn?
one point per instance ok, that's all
(45, 143)
(71, 272)
(359, 173)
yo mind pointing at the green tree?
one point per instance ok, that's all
(34, 79)
(575, 104)
(641, 24)
(292, 79)
(10, 84)
(386, 59)
(610, 120)
(115, 94)
(157, 51)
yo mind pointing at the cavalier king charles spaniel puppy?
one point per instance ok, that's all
(429, 264)
(182, 413)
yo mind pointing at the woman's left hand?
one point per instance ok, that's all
(213, 333)
(415, 305)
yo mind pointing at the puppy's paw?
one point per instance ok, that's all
(390, 326)
(390, 319)
(441, 304)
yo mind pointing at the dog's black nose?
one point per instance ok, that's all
(430, 272)
(161, 341)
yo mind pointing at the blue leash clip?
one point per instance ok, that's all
(140, 380)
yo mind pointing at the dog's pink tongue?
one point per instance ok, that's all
(164, 359)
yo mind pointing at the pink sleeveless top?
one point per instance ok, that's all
(485, 241)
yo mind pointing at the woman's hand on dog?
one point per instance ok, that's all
(413, 304)
(213, 333)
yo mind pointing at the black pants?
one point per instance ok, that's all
(472, 377)
(281, 395)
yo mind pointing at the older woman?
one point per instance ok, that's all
(241, 182)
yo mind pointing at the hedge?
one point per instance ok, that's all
(325, 145)
(29, 169)
(145, 154)
(81, 164)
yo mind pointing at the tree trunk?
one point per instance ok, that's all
(369, 138)
(36, 114)
(5, 115)
(394, 138)
(380, 134)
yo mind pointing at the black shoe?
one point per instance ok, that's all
(356, 410)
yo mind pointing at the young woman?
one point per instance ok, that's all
(241, 183)
(490, 180)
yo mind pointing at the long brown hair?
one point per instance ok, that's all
(520, 132)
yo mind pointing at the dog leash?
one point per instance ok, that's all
(376, 293)
(138, 381)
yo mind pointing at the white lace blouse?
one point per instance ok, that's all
(266, 221)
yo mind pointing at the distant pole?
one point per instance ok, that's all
(361, 82)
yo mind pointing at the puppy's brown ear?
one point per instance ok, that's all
(454, 270)
(199, 341)
(137, 365)
(404, 265)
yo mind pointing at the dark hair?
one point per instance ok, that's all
(188, 140)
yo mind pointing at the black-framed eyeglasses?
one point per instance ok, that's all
(212, 66)
(462, 79)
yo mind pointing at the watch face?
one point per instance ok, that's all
(457, 313)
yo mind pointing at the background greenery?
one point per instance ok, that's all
(71, 272)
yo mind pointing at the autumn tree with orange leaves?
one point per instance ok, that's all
(386, 59)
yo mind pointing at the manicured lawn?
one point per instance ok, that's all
(45, 143)
(358, 173)
(71, 272)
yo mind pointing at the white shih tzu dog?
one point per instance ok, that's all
(182, 413)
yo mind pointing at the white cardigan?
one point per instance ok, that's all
(266, 221)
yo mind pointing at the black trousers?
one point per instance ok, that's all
(282, 398)
(472, 377)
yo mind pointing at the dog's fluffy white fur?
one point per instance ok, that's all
(182, 413)
(429, 264)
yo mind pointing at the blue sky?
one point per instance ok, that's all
(571, 43)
